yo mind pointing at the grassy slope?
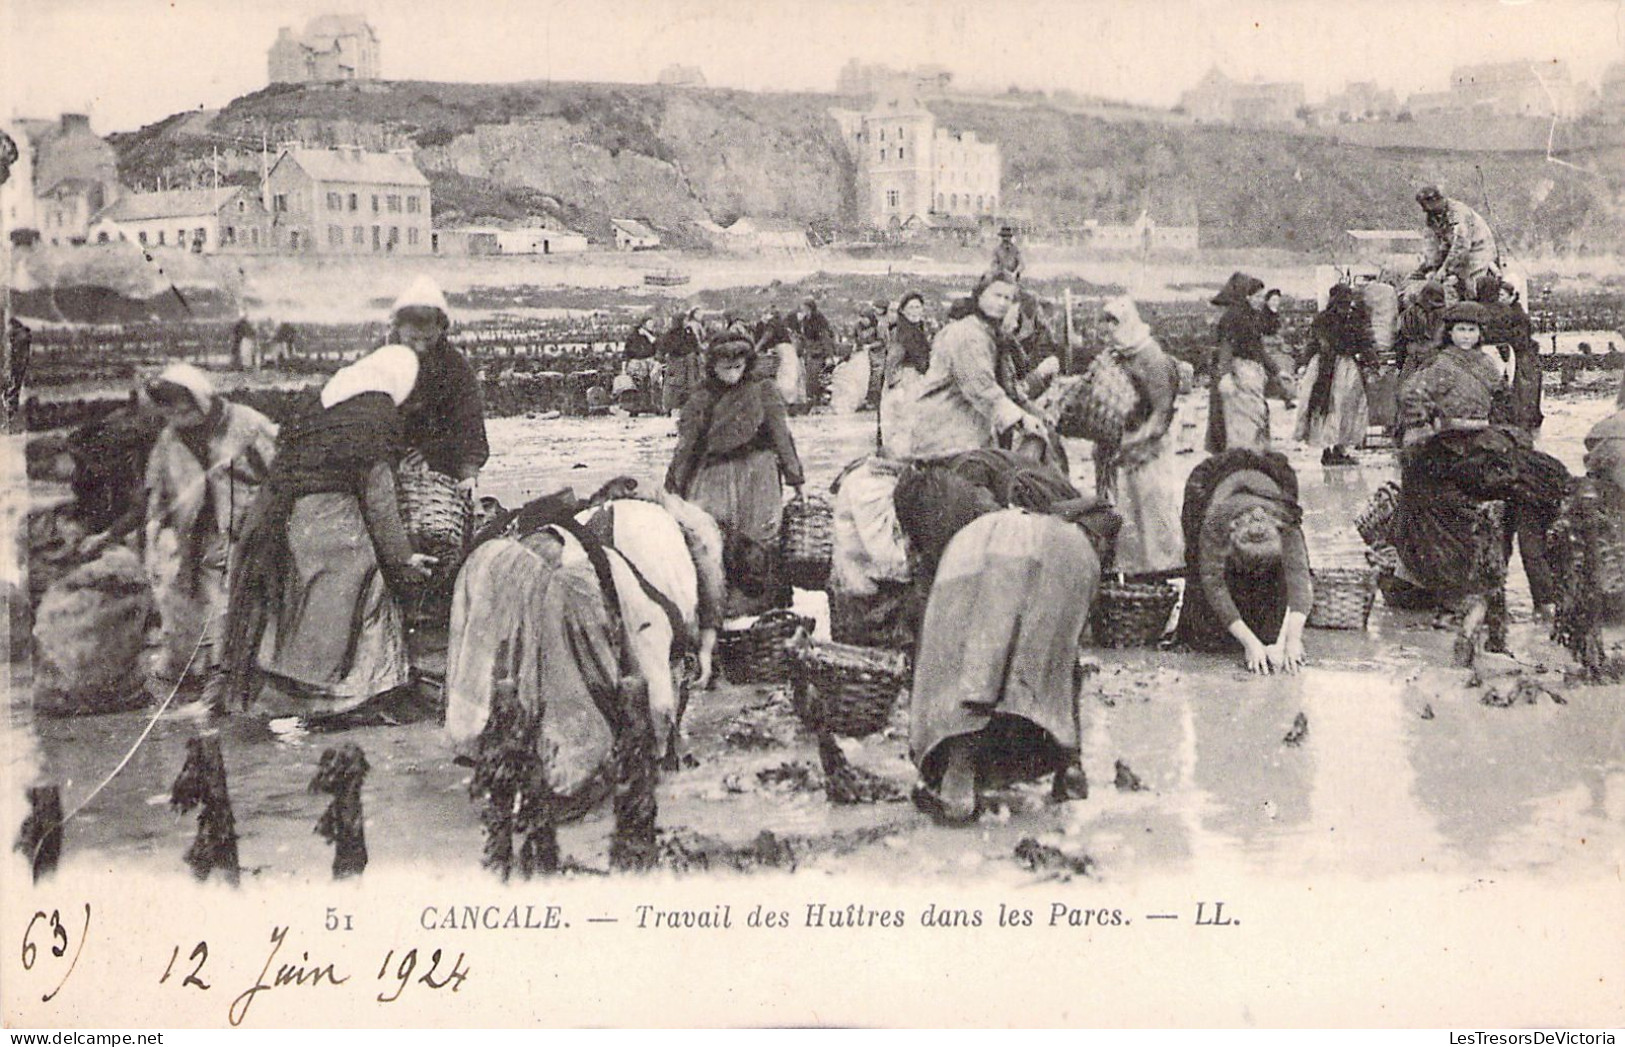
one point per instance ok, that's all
(584, 152)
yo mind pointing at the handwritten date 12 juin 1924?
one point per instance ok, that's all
(53, 943)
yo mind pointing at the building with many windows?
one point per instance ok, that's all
(346, 201)
(203, 221)
(1217, 99)
(908, 166)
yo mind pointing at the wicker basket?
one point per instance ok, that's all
(437, 515)
(1099, 407)
(1343, 597)
(847, 690)
(807, 541)
(759, 653)
(1376, 521)
(1132, 614)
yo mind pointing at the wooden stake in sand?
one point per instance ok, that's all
(41, 835)
(202, 782)
(340, 775)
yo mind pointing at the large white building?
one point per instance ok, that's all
(347, 201)
(908, 166)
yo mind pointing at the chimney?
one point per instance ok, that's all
(75, 122)
(284, 33)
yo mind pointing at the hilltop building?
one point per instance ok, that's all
(203, 221)
(346, 201)
(909, 167)
(860, 78)
(332, 47)
(676, 75)
(1359, 101)
(1217, 99)
(1538, 89)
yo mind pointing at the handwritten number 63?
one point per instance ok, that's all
(60, 939)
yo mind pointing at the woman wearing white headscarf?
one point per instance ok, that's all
(1140, 472)
(314, 603)
(202, 475)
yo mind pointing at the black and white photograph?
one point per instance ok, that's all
(651, 513)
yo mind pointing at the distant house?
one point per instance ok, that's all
(204, 221)
(765, 234)
(1372, 245)
(332, 47)
(346, 201)
(65, 209)
(537, 240)
(1217, 99)
(1142, 234)
(681, 76)
(632, 235)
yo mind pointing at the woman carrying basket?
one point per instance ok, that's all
(1247, 578)
(314, 603)
(733, 447)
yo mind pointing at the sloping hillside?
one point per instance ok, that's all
(582, 153)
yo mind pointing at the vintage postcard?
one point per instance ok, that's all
(706, 512)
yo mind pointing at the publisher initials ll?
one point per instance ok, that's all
(1213, 918)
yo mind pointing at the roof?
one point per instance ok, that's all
(325, 28)
(1384, 234)
(633, 227)
(345, 165)
(748, 226)
(71, 185)
(171, 203)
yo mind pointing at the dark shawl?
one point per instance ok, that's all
(915, 343)
(445, 419)
(1343, 328)
(319, 451)
(722, 421)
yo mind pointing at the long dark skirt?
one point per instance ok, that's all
(1441, 487)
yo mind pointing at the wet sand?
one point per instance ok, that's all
(1403, 769)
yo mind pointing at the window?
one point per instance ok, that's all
(142, 236)
(883, 152)
(412, 204)
(180, 237)
(358, 235)
(293, 240)
(374, 203)
(335, 236)
(229, 235)
(335, 202)
(899, 152)
(891, 198)
(394, 202)
(160, 238)
(254, 236)
(101, 237)
(882, 134)
(978, 203)
(953, 202)
(941, 201)
(279, 202)
(412, 236)
(242, 206)
(376, 241)
(394, 236)
(352, 202)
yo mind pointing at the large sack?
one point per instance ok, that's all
(849, 384)
(1382, 304)
(791, 377)
(89, 632)
(869, 543)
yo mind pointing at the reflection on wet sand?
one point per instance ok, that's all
(1402, 769)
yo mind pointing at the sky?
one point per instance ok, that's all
(133, 62)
